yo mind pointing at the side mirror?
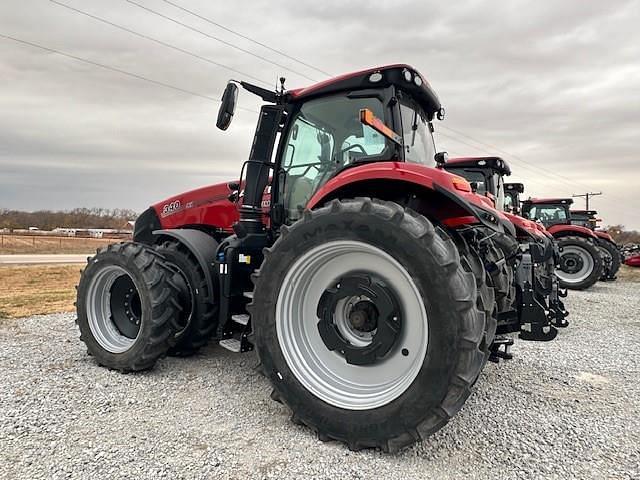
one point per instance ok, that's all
(474, 186)
(227, 106)
(441, 158)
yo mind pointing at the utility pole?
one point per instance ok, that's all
(587, 196)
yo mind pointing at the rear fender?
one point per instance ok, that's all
(559, 231)
(605, 236)
(202, 246)
(428, 191)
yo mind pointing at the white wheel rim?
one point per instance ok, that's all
(325, 373)
(587, 265)
(98, 302)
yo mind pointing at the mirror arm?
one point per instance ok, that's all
(266, 95)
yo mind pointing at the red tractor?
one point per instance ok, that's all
(486, 177)
(365, 277)
(581, 256)
(608, 248)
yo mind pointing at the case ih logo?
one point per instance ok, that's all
(171, 208)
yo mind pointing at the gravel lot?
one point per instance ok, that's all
(566, 409)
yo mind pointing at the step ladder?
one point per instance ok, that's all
(239, 343)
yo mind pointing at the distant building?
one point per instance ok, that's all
(69, 232)
(129, 224)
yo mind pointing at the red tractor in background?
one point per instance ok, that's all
(582, 258)
(610, 251)
(486, 177)
(370, 282)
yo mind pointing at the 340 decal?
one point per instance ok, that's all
(171, 208)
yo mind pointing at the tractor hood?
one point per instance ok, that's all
(208, 206)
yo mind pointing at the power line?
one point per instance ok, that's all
(224, 42)
(480, 149)
(160, 42)
(524, 163)
(219, 25)
(516, 158)
(114, 69)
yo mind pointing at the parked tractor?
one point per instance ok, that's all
(486, 177)
(608, 248)
(369, 281)
(582, 259)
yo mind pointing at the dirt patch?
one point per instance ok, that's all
(38, 289)
(629, 274)
(23, 244)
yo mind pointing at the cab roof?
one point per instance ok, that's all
(585, 212)
(548, 201)
(496, 163)
(517, 187)
(401, 75)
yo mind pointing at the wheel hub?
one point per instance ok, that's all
(572, 263)
(126, 310)
(364, 316)
(359, 318)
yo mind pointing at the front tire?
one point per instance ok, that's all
(127, 305)
(580, 263)
(385, 402)
(200, 308)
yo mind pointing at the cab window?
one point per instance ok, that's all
(416, 133)
(500, 197)
(325, 136)
(548, 214)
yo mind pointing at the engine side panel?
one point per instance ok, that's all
(207, 206)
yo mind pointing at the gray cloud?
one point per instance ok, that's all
(557, 85)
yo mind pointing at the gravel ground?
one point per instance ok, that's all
(565, 409)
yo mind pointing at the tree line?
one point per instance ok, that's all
(622, 236)
(75, 218)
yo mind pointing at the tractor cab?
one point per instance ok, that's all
(585, 218)
(308, 136)
(549, 211)
(512, 202)
(486, 175)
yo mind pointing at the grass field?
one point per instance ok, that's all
(37, 289)
(18, 244)
(42, 289)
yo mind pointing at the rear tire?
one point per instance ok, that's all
(128, 309)
(201, 311)
(616, 259)
(580, 263)
(350, 409)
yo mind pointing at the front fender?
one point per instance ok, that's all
(202, 246)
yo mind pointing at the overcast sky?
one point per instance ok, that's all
(551, 86)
